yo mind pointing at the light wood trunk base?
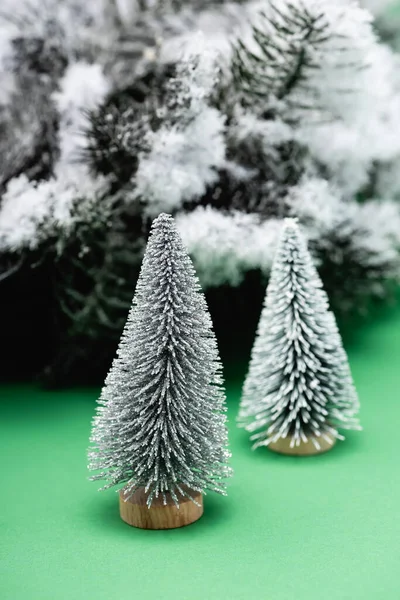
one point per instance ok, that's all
(159, 516)
(282, 446)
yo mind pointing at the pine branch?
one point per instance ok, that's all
(117, 131)
(94, 289)
(286, 44)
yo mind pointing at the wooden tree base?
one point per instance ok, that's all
(282, 446)
(135, 512)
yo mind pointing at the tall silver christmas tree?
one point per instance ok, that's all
(299, 387)
(161, 422)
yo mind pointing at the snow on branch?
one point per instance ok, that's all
(181, 163)
(82, 89)
(305, 58)
(67, 27)
(225, 246)
(32, 212)
(189, 147)
(368, 232)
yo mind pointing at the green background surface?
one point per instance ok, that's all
(304, 528)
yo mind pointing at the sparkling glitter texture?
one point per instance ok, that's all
(161, 419)
(299, 382)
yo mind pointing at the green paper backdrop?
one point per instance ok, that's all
(304, 528)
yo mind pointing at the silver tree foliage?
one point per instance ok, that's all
(161, 420)
(299, 383)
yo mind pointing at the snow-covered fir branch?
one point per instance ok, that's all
(300, 57)
(34, 212)
(320, 207)
(181, 163)
(230, 115)
(225, 246)
(82, 89)
(358, 241)
(343, 231)
(51, 30)
(189, 148)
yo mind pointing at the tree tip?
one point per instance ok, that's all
(163, 218)
(291, 223)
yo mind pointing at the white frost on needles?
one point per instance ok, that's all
(335, 80)
(374, 224)
(355, 85)
(370, 139)
(318, 205)
(189, 148)
(212, 236)
(299, 385)
(224, 246)
(181, 162)
(161, 421)
(79, 27)
(369, 230)
(33, 212)
(83, 88)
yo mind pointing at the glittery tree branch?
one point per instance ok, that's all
(299, 382)
(161, 420)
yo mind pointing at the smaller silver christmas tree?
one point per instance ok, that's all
(161, 422)
(299, 386)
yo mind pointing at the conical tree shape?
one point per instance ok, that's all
(161, 420)
(299, 386)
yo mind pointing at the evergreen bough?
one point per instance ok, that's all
(276, 68)
(283, 52)
(161, 420)
(299, 383)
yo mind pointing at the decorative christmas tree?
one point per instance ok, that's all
(161, 425)
(299, 390)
